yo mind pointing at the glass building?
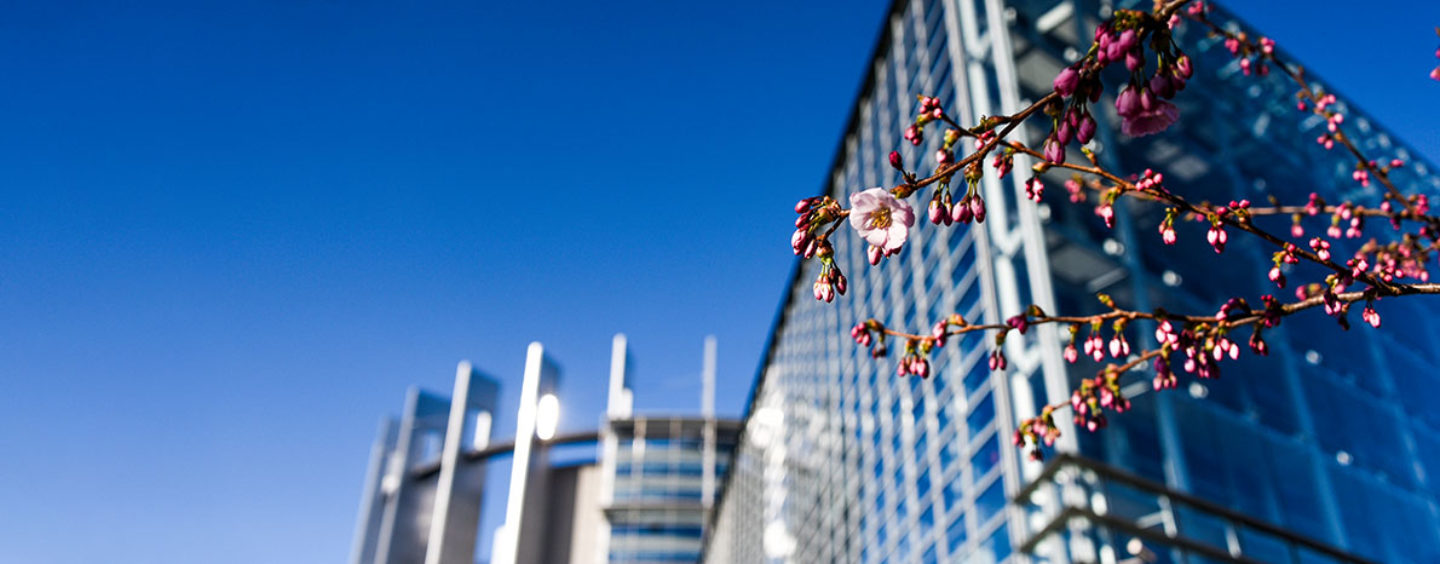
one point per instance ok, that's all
(1324, 451)
(665, 480)
(639, 490)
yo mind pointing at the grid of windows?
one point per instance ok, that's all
(841, 461)
(658, 509)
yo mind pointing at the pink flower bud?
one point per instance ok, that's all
(1134, 60)
(1054, 150)
(1086, 130)
(977, 207)
(1371, 316)
(1127, 102)
(1066, 82)
(896, 162)
(1277, 277)
(960, 212)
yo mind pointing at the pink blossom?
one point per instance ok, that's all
(1147, 121)
(881, 219)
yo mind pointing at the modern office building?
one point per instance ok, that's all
(1325, 451)
(643, 497)
(661, 474)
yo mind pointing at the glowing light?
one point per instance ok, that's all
(547, 417)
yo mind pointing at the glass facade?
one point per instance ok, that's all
(665, 478)
(1322, 451)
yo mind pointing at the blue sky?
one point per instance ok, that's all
(232, 235)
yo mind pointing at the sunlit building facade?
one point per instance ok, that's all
(639, 490)
(1324, 451)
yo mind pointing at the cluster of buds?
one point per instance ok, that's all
(1281, 258)
(1257, 343)
(1333, 118)
(1151, 181)
(1106, 208)
(930, 110)
(1362, 173)
(1204, 348)
(1321, 248)
(914, 360)
(1403, 259)
(1232, 308)
(1095, 395)
(830, 281)
(1034, 189)
(1164, 377)
(1216, 236)
(814, 213)
(1143, 105)
(943, 211)
(997, 359)
(1346, 214)
(1075, 187)
(1073, 124)
(1004, 161)
(1167, 226)
(1094, 345)
(1036, 431)
(870, 332)
(1370, 315)
(1119, 346)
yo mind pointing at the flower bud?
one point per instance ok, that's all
(1054, 150)
(896, 162)
(1183, 69)
(1127, 102)
(1064, 133)
(1066, 81)
(1134, 60)
(960, 212)
(977, 208)
(1086, 130)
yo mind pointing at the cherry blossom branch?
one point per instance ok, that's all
(1204, 341)
(883, 218)
(1236, 215)
(1242, 47)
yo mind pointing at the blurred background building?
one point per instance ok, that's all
(639, 489)
(1325, 451)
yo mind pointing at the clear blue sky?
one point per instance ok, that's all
(231, 236)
